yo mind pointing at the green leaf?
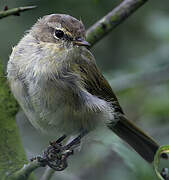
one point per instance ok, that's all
(161, 150)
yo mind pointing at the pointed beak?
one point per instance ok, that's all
(81, 42)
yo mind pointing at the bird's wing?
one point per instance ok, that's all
(93, 80)
(96, 84)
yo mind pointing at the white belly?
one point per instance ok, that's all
(61, 111)
(60, 108)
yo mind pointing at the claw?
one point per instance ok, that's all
(55, 155)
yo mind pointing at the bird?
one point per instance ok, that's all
(55, 79)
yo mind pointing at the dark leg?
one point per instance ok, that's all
(58, 141)
(76, 140)
(61, 138)
(55, 156)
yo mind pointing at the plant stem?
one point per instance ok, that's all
(106, 24)
(15, 11)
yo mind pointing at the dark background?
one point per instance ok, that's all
(134, 58)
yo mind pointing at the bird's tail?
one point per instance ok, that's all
(136, 138)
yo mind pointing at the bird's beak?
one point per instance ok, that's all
(81, 42)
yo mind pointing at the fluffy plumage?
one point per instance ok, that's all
(57, 83)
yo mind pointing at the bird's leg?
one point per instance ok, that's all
(55, 155)
(52, 155)
(58, 141)
(76, 141)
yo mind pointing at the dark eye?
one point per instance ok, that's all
(59, 33)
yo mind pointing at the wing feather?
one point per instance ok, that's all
(93, 80)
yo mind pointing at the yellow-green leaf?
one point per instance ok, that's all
(161, 150)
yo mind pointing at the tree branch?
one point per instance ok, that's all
(23, 173)
(15, 11)
(106, 24)
(48, 174)
(55, 156)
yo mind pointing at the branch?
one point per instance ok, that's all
(15, 11)
(55, 156)
(48, 174)
(112, 19)
(23, 173)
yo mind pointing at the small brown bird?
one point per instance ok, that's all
(56, 81)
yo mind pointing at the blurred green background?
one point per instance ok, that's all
(134, 58)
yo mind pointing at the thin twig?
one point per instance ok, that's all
(112, 20)
(48, 174)
(15, 11)
(24, 172)
(54, 156)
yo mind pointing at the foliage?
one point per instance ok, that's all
(12, 156)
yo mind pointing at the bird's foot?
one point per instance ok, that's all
(55, 155)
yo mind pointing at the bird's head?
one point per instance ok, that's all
(60, 29)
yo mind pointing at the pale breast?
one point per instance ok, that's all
(66, 109)
(51, 95)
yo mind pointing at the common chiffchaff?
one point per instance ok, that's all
(57, 83)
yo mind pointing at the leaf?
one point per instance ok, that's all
(162, 150)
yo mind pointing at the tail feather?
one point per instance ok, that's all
(136, 138)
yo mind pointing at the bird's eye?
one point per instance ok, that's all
(59, 33)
